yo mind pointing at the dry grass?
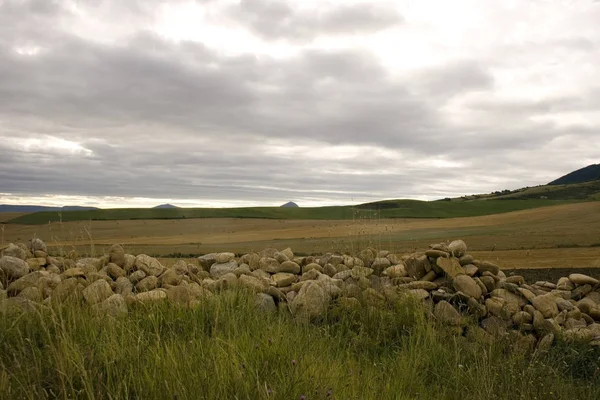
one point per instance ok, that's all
(558, 236)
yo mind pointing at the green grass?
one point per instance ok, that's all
(226, 349)
(573, 191)
(383, 209)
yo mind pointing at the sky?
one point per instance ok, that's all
(220, 103)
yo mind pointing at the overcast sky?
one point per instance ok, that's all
(258, 102)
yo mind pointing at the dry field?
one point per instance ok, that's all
(566, 236)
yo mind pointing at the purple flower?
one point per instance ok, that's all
(329, 392)
(293, 362)
(302, 397)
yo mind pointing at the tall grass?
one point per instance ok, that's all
(227, 349)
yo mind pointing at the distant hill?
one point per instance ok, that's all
(586, 174)
(31, 208)
(289, 204)
(166, 206)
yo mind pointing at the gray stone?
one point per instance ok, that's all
(581, 279)
(311, 301)
(265, 302)
(467, 285)
(97, 292)
(218, 270)
(13, 268)
(117, 255)
(147, 284)
(457, 248)
(447, 314)
(115, 306)
(150, 265)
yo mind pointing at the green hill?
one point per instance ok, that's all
(586, 174)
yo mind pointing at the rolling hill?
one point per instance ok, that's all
(586, 174)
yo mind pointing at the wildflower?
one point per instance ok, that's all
(302, 397)
(294, 362)
(329, 392)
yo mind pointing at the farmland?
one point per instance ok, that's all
(566, 235)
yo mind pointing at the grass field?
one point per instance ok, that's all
(226, 349)
(558, 236)
(384, 209)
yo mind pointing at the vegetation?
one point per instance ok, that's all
(381, 209)
(586, 174)
(226, 349)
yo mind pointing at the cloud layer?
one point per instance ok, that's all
(261, 102)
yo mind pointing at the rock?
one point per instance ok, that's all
(544, 326)
(329, 270)
(367, 256)
(489, 283)
(495, 326)
(151, 296)
(283, 279)
(265, 302)
(425, 285)
(565, 284)
(545, 342)
(149, 265)
(37, 244)
(15, 251)
(116, 256)
(311, 301)
(115, 306)
(581, 291)
(447, 314)
(206, 261)
(467, 285)
(169, 277)
(269, 264)
(466, 260)
(417, 267)
(420, 294)
(488, 266)
(31, 293)
(66, 290)
(223, 258)
(433, 253)
(470, 269)
(252, 259)
(396, 271)
(289, 266)
(76, 273)
(97, 292)
(358, 272)
(288, 253)
(581, 279)
(36, 263)
(123, 286)
(181, 267)
(312, 266)
(252, 283)
(13, 268)
(457, 248)
(147, 284)
(280, 257)
(343, 275)
(218, 270)
(26, 281)
(114, 271)
(137, 276)
(380, 264)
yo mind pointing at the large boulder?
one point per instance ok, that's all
(150, 265)
(467, 285)
(458, 248)
(451, 266)
(218, 270)
(117, 255)
(114, 305)
(37, 244)
(26, 281)
(581, 279)
(207, 260)
(311, 301)
(97, 292)
(15, 251)
(447, 314)
(13, 267)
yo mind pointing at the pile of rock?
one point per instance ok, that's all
(458, 288)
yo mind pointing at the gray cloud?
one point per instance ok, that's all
(278, 20)
(160, 118)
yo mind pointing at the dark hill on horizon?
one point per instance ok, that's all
(289, 204)
(33, 208)
(585, 174)
(163, 206)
